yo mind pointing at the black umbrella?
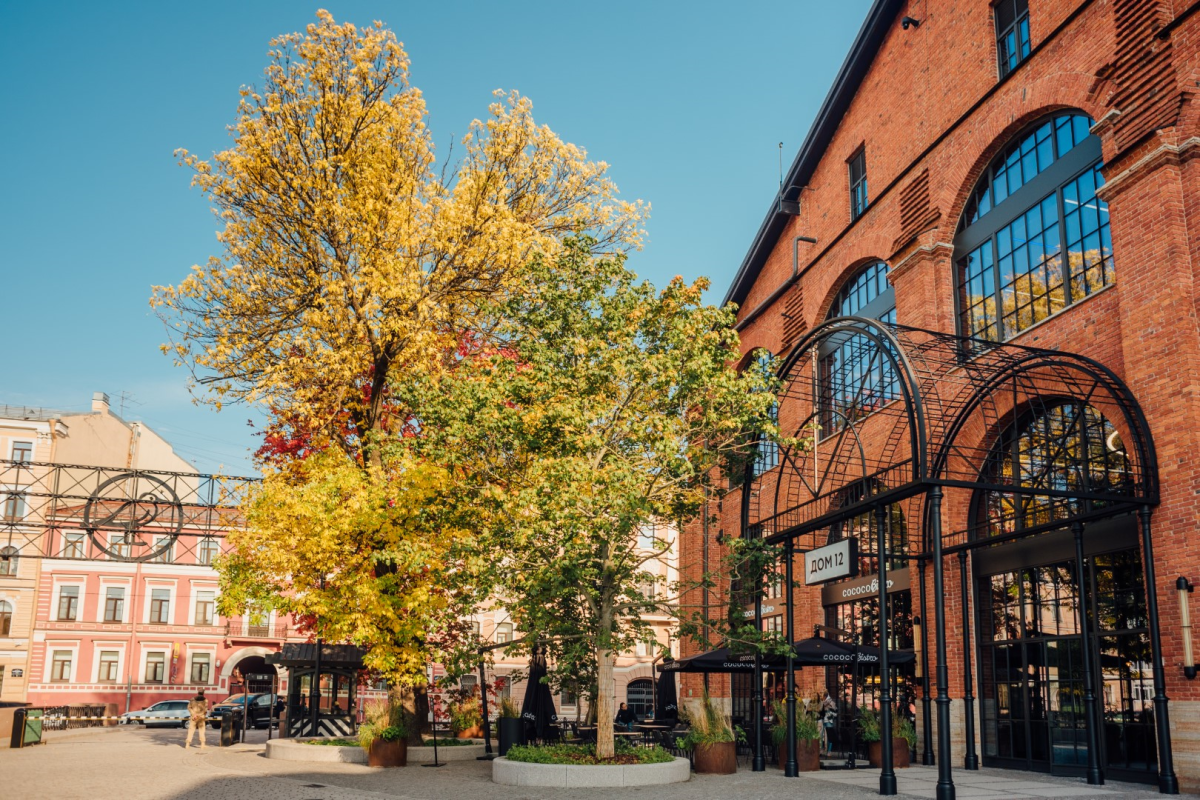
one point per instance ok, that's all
(538, 709)
(664, 702)
(815, 651)
(810, 652)
(723, 661)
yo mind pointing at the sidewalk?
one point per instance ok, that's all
(144, 764)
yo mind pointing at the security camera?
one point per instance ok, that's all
(908, 22)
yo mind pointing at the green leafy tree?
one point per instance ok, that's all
(598, 407)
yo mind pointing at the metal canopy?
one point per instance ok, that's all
(892, 410)
(897, 419)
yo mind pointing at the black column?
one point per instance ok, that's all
(972, 759)
(945, 784)
(887, 777)
(791, 768)
(760, 764)
(1167, 782)
(1095, 776)
(487, 725)
(926, 700)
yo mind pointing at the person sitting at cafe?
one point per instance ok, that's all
(625, 718)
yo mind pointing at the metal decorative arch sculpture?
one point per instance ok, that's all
(893, 413)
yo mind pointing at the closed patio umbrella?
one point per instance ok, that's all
(665, 703)
(538, 708)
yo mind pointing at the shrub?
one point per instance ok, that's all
(868, 724)
(808, 728)
(382, 719)
(902, 728)
(710, 726)
(586, 754)
(508, 709)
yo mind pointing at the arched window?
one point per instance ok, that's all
(639, 696)
(8, 560)
(1069, 447)
(856, 377)
(6, 614)
(1036, 201)
(766, 458)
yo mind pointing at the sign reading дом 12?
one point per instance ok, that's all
(833, 561)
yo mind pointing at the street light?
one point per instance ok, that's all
(1183, 587)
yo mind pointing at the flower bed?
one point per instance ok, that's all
(331, 742)
(586, 754)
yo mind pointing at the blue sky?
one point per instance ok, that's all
(686, 101)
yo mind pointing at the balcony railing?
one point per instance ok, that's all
(242, 630)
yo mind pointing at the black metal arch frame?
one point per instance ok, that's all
(955, 396)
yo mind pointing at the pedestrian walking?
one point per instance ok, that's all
(197, 719)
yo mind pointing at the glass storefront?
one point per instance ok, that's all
(1031, 667)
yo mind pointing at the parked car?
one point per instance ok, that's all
(260, 709)
(167, 713)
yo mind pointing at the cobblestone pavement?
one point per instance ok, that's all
(136, 763)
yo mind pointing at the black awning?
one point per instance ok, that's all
(333, 656)
(811, 652)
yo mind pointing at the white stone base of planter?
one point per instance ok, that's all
(297, 750)
(462, 752)
(515, 773)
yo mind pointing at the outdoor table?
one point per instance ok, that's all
(649, 728)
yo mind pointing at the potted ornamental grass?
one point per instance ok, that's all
(808, 738)
(903, 735)
(466, 717)
(510, 727)
(711, 739)
(384, 734)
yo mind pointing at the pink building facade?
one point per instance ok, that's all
(132, 634)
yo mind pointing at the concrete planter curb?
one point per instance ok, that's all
(465, 752)
(297, 750)
(514, 773)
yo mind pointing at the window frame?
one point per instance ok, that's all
(150, 660)
(882, 309)
(73, 607)
(114, 663)
(15, 505)
(10, 564)
(207, 662)
(503, 629)
(70, 540)
(1023, 47)
(858, 160)
(1049, 182)
(207, 545)
(60, 666)
(8, 612)
(198, 603)
(121, 604)
(13, 448)
(156, 606)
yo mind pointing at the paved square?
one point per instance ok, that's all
(141, 764)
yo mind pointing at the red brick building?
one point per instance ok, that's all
(981, 280)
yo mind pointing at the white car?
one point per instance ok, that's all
(168, 713)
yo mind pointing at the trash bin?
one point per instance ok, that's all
(27, 727)
(231, 728)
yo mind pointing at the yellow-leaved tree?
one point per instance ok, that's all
(352, 259)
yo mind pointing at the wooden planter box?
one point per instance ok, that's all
(900, 754)
(388, 754)
(808, 755)
(715, 759)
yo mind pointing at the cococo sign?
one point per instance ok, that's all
(837, 560)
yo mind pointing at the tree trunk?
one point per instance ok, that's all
(604, 704)
(416, 702)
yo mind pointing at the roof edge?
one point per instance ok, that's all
(845, 85)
